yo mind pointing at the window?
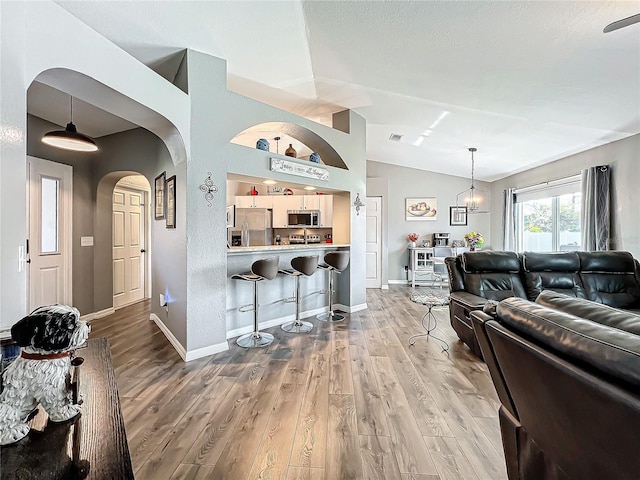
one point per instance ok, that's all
(548, 217)
(49, 215)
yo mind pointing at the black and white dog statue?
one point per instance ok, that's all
(49, 337)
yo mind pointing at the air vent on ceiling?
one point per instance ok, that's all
(394, 137)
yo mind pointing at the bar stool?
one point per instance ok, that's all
(333, 262)
(265, 269)
(300, 266)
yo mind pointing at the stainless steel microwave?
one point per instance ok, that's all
(303, 218)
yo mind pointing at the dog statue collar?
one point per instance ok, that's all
(45, 356)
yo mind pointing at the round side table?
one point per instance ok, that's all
(430, 299)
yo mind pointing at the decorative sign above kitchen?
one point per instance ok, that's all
(300, 169)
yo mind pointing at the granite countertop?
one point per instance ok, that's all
(285, 248)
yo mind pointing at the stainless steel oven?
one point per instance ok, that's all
(303, 218)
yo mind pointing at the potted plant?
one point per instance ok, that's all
(413, 238)
(474, 240)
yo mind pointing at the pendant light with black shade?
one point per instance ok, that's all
(70, 138)
(476, 200)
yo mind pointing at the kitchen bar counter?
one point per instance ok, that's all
(274, 310)
(286, 248)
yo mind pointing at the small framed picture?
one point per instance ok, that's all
(458, 216)
(424, 208)
(159, 204)
(171, 202)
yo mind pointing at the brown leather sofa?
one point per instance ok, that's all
(611, 278)
(567, 372)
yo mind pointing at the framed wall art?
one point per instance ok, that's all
(458, 216)
(418, 209)
(159, 195)
(171, 202)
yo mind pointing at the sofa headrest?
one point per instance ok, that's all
(608, 262)
(550, 262)
(607, 349)
(597, 312)
(478, 262)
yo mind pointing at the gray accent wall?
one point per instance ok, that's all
(405, 183)
(624, 158)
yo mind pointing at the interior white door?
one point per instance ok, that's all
(50, 222)
(128, 246)
(374, 242)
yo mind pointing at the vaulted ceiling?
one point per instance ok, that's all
(526, 82)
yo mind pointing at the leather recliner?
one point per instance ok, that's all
(567, 373)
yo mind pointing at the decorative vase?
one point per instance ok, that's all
(291, 152)
(412, 244)
(314, 157)
(262, 144)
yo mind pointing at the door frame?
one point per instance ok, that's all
(146, 191)
(66, 247)
(381, 246)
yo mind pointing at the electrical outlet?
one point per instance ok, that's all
(163, 302)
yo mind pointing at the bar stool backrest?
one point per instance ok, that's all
(338, 260)
(266, 268)
(305, 265)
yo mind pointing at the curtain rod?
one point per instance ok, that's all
(558, 181)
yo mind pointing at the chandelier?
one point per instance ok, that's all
(475, 199)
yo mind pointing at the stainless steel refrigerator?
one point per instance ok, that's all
(258, 222)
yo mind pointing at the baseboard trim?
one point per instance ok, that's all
(96, 315)
(385, 286)
(206, 351)
(172, 339)
(276, 322)
(351, 309)
(399, 282)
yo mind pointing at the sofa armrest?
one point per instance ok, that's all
(468, 300)
(460, 307)
(478, 320)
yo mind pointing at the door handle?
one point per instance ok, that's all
(28, 261)
(142, 250)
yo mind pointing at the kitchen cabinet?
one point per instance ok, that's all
(283, 203)
(421, 263)
(254, 201)
(326, 210)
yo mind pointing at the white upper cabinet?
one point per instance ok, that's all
(254, 201)
(326, 210)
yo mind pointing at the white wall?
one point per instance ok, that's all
(408, 183)
(624, 158)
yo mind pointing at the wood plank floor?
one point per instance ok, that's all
(350, 400)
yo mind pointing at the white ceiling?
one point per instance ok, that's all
(526, 82)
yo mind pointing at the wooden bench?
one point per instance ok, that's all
(92, 445)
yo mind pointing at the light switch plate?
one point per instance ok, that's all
(86, 241)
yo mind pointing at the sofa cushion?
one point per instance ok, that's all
(607, 349)
(596, 312)
(610, 278)
(556, 271)
(492, 275)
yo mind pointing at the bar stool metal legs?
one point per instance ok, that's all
(265, 269)
(297, 326)
(301, 266)
(335, 262)
(256, 338)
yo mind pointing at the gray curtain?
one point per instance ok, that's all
(596, 208)
(508, 220)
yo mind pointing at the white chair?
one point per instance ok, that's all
(439, 254)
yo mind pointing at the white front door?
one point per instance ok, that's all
(49, 245)
(374, 242)
(128, 246)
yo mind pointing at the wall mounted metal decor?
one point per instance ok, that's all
(208, 188)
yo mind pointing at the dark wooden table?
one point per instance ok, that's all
(91, 446)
